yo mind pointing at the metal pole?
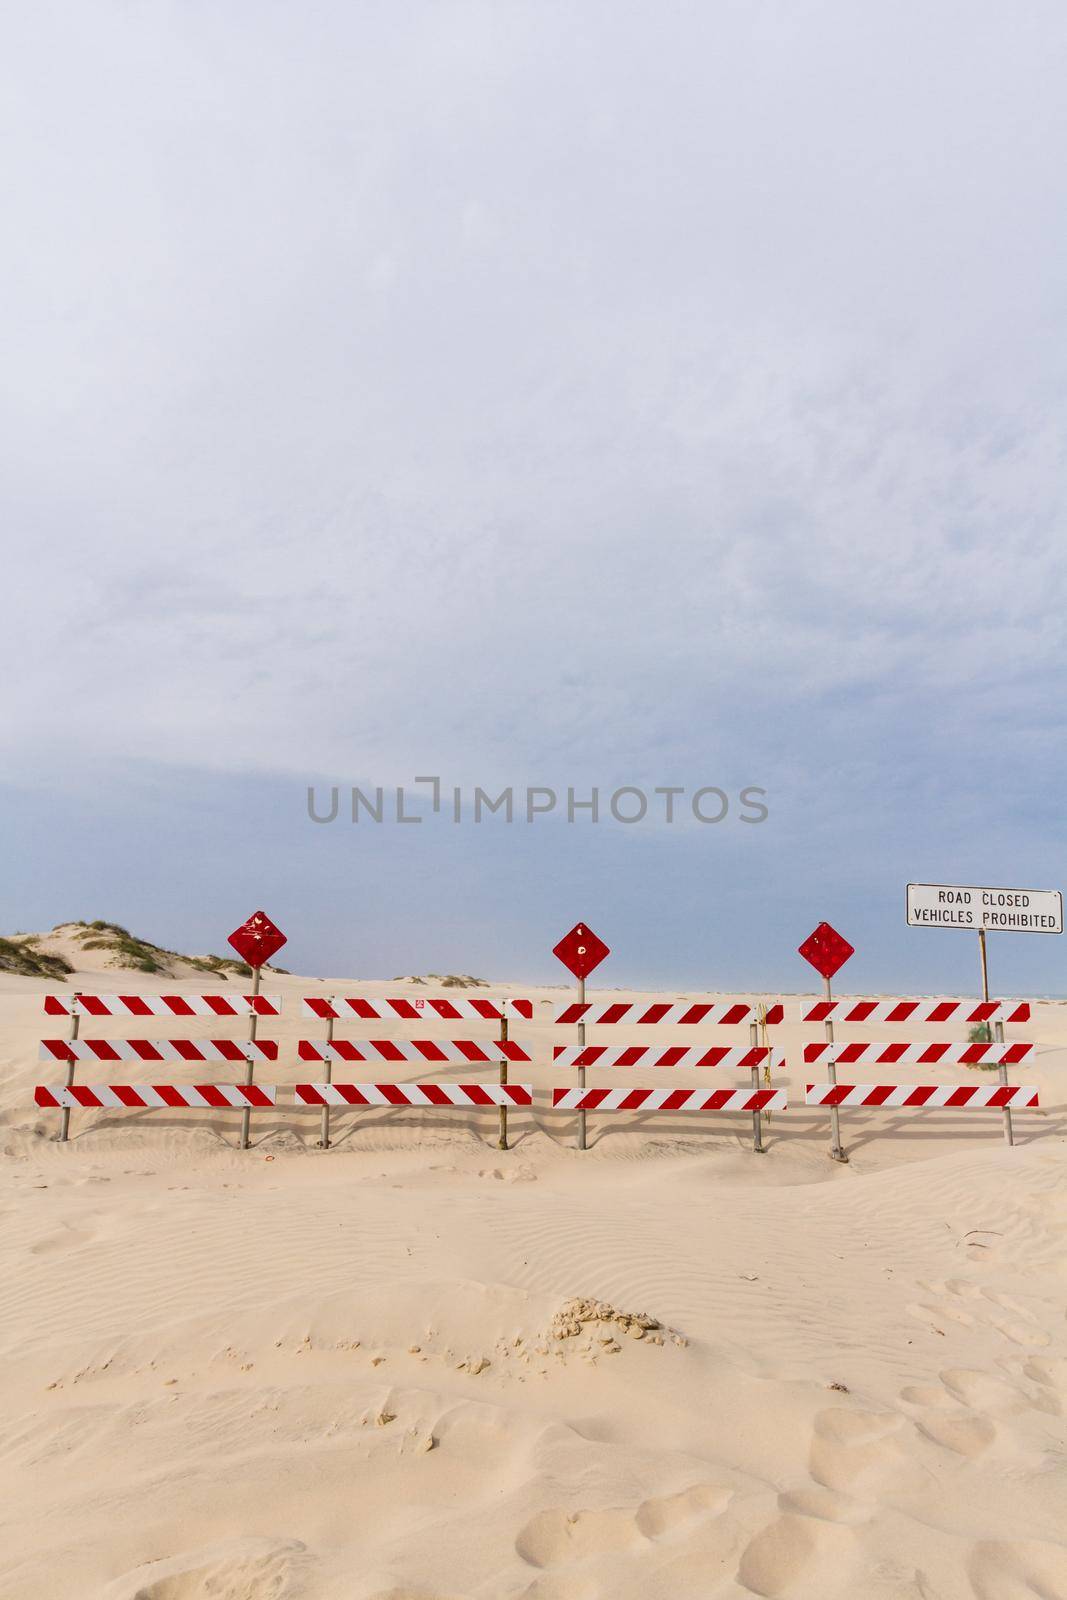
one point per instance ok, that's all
(1009, 1136)
(757, 1134)
(581, 1070)
(985, 964)
(836, 1152)
(324, 1136)
(246, 1114)
(502, 1142)
(72, 1034)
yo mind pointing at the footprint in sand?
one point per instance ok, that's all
(851, 1447)
(966, 1433)
(1049, 1371)
(983, 1391)
(1018, 1570)
(793, 1550)
(558, 1538)
(825, 1505)
(655, 1518)
(238, 1569)
(936, 1316)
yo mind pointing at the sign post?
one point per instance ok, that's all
(255, 942)
(974, 907)
(827, 951)
(581, 951)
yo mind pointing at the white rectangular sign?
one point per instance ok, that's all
(957, 905)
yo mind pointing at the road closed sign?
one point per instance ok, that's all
(960, 905)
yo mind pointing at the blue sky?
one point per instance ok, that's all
(532, 394)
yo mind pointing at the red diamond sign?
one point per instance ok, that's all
(257, 939)
(581, 950)
(826, 949)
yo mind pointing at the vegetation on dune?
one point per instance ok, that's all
(141, 955)
(31, 963)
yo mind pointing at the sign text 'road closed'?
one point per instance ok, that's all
(955, 905)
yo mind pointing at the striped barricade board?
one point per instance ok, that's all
(671, 1055)
(156, 1096)
(929, 1055)
(669, 1099)
(917, 1096)
(487, 1053)
(235, 1050)
(641, 1013)
(423, 1009)
(961, 1012)
(414, 1094)
(162, 1005)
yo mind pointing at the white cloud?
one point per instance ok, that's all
(523, 392)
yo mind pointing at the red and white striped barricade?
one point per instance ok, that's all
(927, 1055)
(921, 1096)
(422, 1009)
(644, 1014)
(235, 1050)
(156, 1096)
(640, 1014)
(960, 1012)
(913, 1096)
(441, 1052)
(428, 1052)
(74, 1048)
(666, 1055)
(414, 1094)
(669, 1099)
(162, 1005)
(963, 1013)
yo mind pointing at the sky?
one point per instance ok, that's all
(532, 394)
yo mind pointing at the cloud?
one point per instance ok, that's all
(531, 394)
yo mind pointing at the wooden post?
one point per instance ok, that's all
(502, 1141)
(836, 1152)
(985, 964)
(581, 1070)
(246, 1114)
(324, 1134)
(72, 1034)
(1009, 1136)
(757, 1134)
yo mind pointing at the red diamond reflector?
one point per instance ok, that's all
(581, 950)
(826, 949)
(257, 939)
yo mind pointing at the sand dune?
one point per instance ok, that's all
(311, 1375)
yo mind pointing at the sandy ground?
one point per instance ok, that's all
(291, 1374)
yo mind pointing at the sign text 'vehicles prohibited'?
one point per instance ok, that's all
(952, 905)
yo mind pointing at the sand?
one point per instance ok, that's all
(290, 1374)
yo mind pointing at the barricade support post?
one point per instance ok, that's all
(581, 1070)
(72, 1034)
(757, 1132)
(836, 1151)
(502, 1142)
(1009, 1135)
(253, 1019)
(324, 1133)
